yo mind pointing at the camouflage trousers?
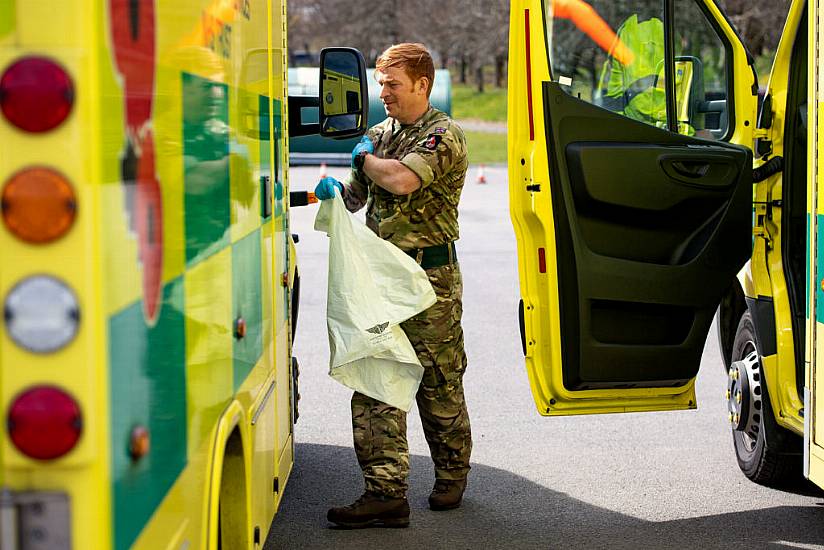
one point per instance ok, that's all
(380, 430)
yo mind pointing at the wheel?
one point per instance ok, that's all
(752, 417)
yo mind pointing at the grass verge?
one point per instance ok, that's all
(486, 148)
(468, 103)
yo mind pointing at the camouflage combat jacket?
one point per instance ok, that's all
(434, 148)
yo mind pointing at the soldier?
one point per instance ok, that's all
(409, 171)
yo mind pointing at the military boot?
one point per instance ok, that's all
(447, 494)
(371, 510)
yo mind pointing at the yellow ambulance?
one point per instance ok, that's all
(147, 271)
(650, 191)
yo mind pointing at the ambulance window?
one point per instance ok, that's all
(701, 83)
(610, 54)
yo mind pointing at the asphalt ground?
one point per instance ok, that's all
(653, 480)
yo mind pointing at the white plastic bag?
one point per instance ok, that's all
(373, 287)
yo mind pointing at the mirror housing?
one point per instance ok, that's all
(689, 89)
(343, 91)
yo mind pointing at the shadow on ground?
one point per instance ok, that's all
(503, 510)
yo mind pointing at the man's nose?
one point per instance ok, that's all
(384, 92)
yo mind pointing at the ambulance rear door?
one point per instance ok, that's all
(630, 194)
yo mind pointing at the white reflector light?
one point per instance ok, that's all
(41, 314)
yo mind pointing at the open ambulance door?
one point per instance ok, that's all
(630, 194)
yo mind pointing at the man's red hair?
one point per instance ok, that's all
(413, 58)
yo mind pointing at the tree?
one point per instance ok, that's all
(461, 34)
(756, 22)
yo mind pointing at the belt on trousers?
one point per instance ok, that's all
(434, 256)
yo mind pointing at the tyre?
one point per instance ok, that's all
(760, 443)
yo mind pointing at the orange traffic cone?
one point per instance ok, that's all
(481, 177)
(322, 173)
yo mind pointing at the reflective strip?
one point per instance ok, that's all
(528, 78)
(263, 403)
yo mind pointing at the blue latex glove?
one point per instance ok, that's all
(363, 146)
(326, 188)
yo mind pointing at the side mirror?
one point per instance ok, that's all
(689, 90)
(344, 96)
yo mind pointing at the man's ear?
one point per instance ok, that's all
(422, 84)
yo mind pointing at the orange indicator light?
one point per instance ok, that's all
(139, 442)
(38, 205)
(240, 328)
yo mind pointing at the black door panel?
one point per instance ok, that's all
(629, 206)
(651, 227)
(651, 177)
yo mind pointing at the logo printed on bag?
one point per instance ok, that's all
(379, 328)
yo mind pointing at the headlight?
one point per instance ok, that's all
(41, 314)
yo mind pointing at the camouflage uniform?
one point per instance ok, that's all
(434, 148)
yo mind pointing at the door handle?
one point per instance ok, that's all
(711, 171)
(691, 169)
(266, 196)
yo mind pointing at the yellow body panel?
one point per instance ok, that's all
(208, 346)
(766, 267)
(232, 388)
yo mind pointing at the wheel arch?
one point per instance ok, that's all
(230, 469)
(732, 307)
(740, 297)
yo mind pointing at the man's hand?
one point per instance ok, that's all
(326, 188)
(363, 148)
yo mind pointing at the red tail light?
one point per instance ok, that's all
(36, 94)
(44, 422)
